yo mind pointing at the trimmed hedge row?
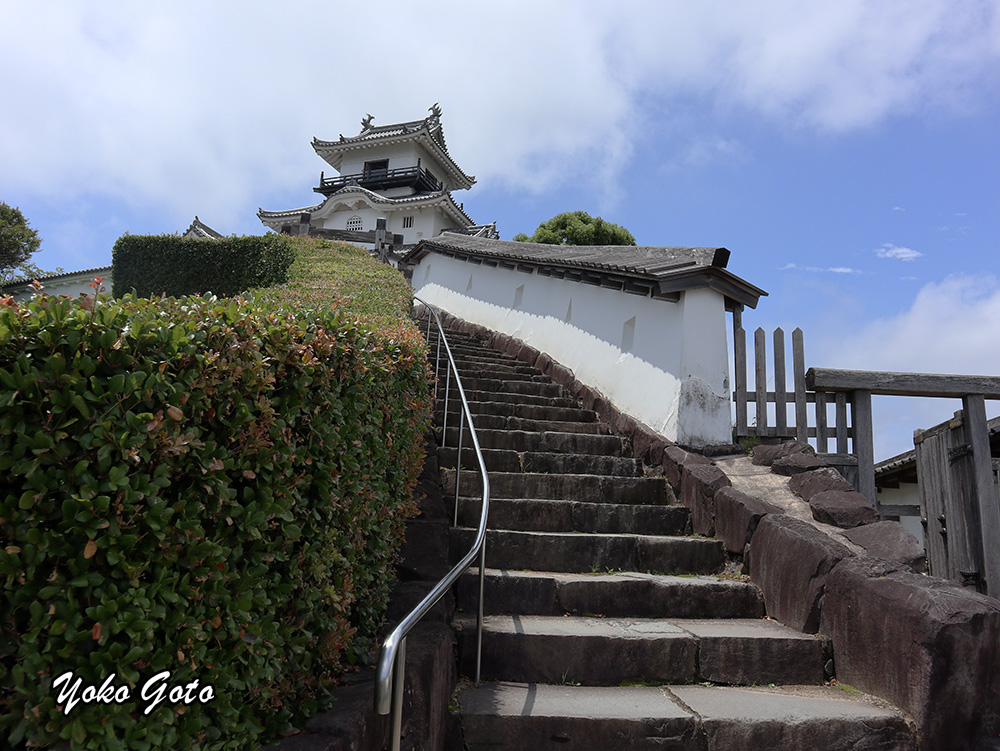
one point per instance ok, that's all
(211, 489)
(154, 265)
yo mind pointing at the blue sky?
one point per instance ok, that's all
(845, 152)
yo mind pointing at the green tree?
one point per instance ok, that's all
(17, 239)
(578, 228)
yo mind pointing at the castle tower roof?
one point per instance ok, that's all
(427, 132)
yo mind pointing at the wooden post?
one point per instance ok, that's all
(799, 373)
(864, 447)
(841, 423)
(821, 437)
(987, 503)
(760, 380)
(380, 246)
(780, 395)
(740, 365)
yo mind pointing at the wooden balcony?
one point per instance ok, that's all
(417, 178)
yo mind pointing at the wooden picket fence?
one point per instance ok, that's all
(763, 413)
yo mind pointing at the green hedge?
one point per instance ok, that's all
(211, 488)
(154, 265)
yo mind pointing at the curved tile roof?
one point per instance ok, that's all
(662, 272)
(429, 130)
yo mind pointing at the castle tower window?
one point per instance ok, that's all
(355, 224)
(407, 222)
(377, 168)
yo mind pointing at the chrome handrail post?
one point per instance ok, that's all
(458, 463)
(398, 680)
(444, 422)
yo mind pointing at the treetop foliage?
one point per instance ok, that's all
(578, 228)
(17, 239)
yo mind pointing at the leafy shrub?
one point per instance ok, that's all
(154, 265)
(211, 488)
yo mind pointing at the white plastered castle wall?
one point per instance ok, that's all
(664, 363)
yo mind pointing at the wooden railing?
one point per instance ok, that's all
(975, 523)
(381, 178)
(967, 515)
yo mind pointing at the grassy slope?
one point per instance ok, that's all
(333, 273)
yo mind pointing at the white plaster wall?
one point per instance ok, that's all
(908, 493)
(338, 219)
(664, 363)
(399, 156)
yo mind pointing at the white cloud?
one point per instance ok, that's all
(951, 327)
(819, 269)
(888, 250)
(898, 208)
(210, 106)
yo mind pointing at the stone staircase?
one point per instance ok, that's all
(607, 625)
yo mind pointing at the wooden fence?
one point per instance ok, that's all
(811, 420)
(957, 476)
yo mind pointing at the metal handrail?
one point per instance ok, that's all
(392, 655)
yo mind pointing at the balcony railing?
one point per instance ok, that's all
(381, 179)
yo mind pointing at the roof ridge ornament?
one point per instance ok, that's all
(366, 121)
(435, 110)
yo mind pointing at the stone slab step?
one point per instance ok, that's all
(542, 387)
(535, 515)
(523, 716)
(549, 440)
(599, 651)
(572, 487)
(499, 396)
(469, 363)
(499, 422)
(592, 553)
(498, 372)
(505, 460)
(631, 594)
(514, 409)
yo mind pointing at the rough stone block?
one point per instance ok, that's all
(808, 484)
(561, 374)
(527, 353)
(675, 459)
(737, 516)
(699, 484)
(543, 362)
(891, 542)
(648, 445)
(842, 508)
(794, 464)
(925, 644)
(587, 395)
(790, 561)
(765, 454)
(351, 726)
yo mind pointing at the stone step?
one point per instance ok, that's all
(550, 440)
(489, 372)
(467, 365)
(499, 422)
(600, 651)
(594, 553)
(678, 718)
(505, 460)
(534, 515)
(542, 387)
(514, 409)
(474, 395)
(628, 594)
(567, 487)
